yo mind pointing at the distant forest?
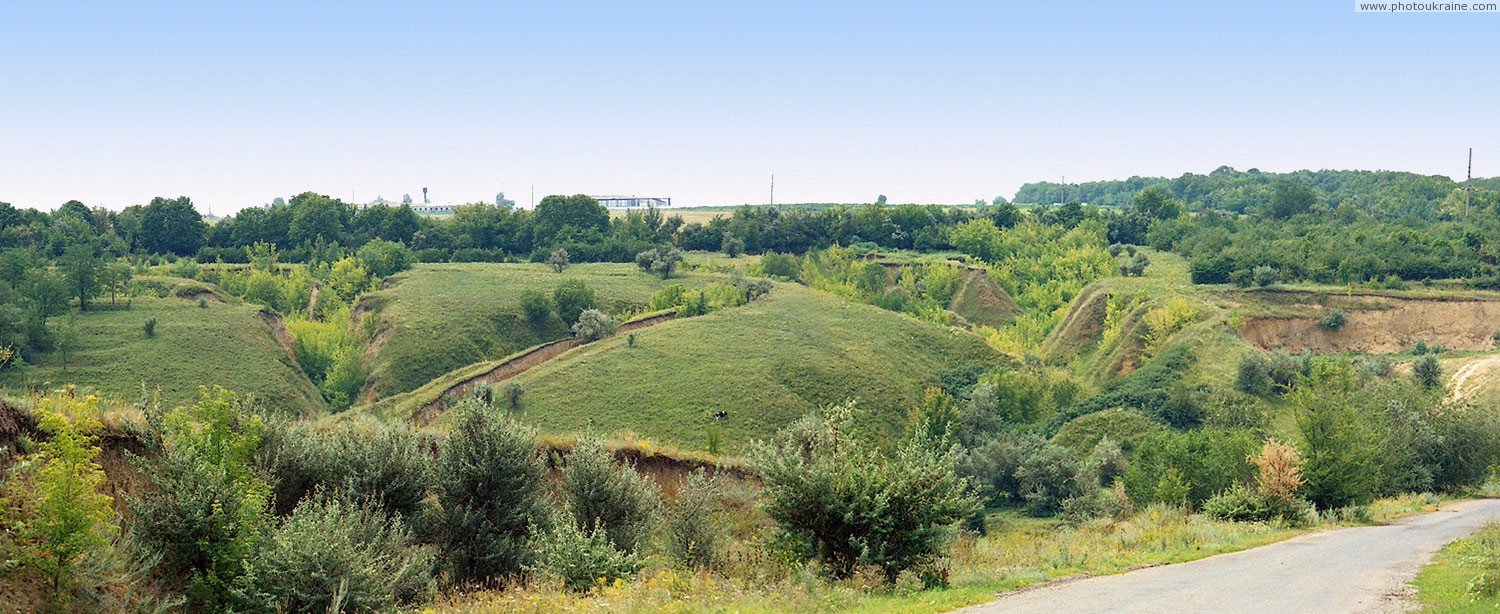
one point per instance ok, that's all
(1391, 194)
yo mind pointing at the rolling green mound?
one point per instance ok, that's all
(765, 364)
(233, 344)
(439, 317)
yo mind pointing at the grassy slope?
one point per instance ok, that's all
(445, 316)
(224, 344)
(765, 363)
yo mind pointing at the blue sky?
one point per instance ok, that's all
(234, 104)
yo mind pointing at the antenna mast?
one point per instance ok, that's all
(773, 189)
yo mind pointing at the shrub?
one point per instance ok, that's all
(345, 377)
(593, 325)
(750, 288)
(660, 260)
(1427, 372)
(1253, 375)
(385, 258)
(68, 522)
(1333, 320)
(206, 504)
(149, 328)
(603, 495)
(535, 306)
(1188, 467)
(854, 504)
(332, 555)
(491, 487)
(580, 558)
(1264, 275)
(1278, 477)
(558, 261)
(1164, 321)
(1471, 446)
(347, 279)
(781, 266)
(571, 298)
(1106, 463)
(329, 354)
(691, 532)
(732, 246)
(203, 303)
(1237, 504)
(672, 295)
(1374, 366)
(1136, 265)
(1285, 369)
(513, 392)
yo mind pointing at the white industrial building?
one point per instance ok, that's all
(633, 202)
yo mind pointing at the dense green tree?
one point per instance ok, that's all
(315, 216)
(1291, 199)
(82, 269)
(578, 212)
(172, 226)
(1338, 441)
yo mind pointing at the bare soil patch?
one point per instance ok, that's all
(1392, 327)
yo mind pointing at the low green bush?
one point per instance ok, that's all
(692, 534)
(605, 495)
(1188, 468)
(1027, 471)
(854, 504)
(331, 555)
(580, 558)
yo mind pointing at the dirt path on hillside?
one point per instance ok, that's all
(1361, 569)
(525, 361)
(312, 299)
(1459, 383)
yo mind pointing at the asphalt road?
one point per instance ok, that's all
(1361, 569)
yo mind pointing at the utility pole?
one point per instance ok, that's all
(773, 189)
(1469, 184)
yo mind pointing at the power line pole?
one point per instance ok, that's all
(1469, 184)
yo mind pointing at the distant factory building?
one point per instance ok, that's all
(633, 202)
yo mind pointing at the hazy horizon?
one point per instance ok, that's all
(944, 103)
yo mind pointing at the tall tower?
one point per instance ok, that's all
(424, 197)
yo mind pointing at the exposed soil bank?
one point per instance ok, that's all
(1395, 325)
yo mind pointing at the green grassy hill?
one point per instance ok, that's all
(439, 317)
(765, 363)
(227, 344)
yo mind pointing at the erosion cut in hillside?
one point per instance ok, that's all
(763, 364)
(978, 300)
(1381, 325)
(436, 318)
